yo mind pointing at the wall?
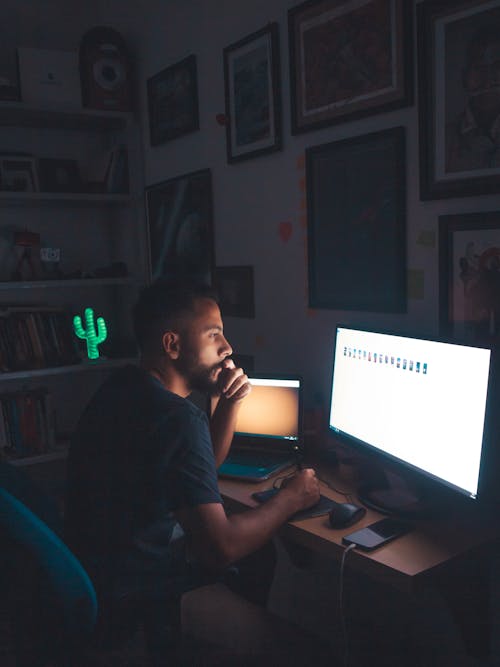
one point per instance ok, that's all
(251, 198)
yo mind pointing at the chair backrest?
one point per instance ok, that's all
(20, 484)
(63, 576)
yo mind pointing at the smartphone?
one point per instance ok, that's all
(377, 534)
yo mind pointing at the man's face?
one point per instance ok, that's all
(203, 347)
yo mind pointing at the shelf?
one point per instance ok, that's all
(98, 365)
(72, 198)
(39, 458)
(18, 114)
(61, 284)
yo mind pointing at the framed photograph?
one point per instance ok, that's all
(459, 99)
(173, 101)
(180, 227)
(244, 361)
(9, 75)
(18, 173)
(253, 96)
(57, 175)
(356, 217)
(469, 277)
(235, 287)
(348, 59)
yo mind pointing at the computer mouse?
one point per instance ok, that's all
(345, 514)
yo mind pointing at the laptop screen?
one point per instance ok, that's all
(271, 410)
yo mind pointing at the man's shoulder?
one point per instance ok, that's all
(185, 408)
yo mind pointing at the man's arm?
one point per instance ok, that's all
(234, 386)
(217, 540)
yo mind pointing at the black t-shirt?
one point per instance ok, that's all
(139, 452)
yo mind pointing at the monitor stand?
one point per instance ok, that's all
(389, 493)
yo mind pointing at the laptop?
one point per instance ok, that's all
(268, 433)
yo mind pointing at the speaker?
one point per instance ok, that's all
(105, 70)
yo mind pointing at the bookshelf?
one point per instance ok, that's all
(100, 237)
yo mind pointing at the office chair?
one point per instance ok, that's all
(52, 600)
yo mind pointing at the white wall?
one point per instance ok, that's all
(251, 198)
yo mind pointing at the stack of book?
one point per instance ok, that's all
(36, 337)
(26, 423)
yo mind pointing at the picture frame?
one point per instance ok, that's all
(235, 288)
(173, 101)
(59, 175)
(244, 361)
(348, 60)
(469, 277)
(459, 148)
(18, 173)
(356, 223)
(9, 75)
(253, 95)
(179, 214)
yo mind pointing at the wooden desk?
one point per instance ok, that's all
(449, 553)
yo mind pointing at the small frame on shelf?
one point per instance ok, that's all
(348, 60)
(18, 173)
(356, 209)
(459, 106)
(173, 101)
(180, 227)
(9, 75)
(252, 95)
(469, 277)
(235, 288)
(57, 175)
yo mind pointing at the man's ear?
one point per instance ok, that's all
(171, 344)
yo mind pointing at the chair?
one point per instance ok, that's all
(52, 600)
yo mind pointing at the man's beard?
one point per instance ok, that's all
(199, 377)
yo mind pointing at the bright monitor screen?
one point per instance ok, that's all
(419, 402)
(271, 410)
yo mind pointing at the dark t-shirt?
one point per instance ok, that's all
(139, 452)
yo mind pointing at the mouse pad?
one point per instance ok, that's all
(323, 506)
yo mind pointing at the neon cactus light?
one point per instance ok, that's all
(89, 333)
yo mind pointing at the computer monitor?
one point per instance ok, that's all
(272, 410)
(416, 405)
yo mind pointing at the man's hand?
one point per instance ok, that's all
(233, 382)
(233, 386)
(305, 487)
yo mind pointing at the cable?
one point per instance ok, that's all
(343, 624)
(346, 494)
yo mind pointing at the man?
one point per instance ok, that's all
(142, 464)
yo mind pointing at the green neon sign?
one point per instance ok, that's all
(89, 333)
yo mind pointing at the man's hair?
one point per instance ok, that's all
(161, 306)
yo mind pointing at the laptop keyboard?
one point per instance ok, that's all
(254, 458)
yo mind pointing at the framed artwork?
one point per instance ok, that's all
(173, 101)
(252, 93)
(57, 175)
(9, 75)
(356, 213)
(469, 276)
(459, 102)
(235, 287)
(18, 173)
(348, 59)
(244, 361)
(180, 227)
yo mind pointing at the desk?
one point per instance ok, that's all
(449, 553)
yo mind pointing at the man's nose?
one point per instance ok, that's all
(226, 348)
